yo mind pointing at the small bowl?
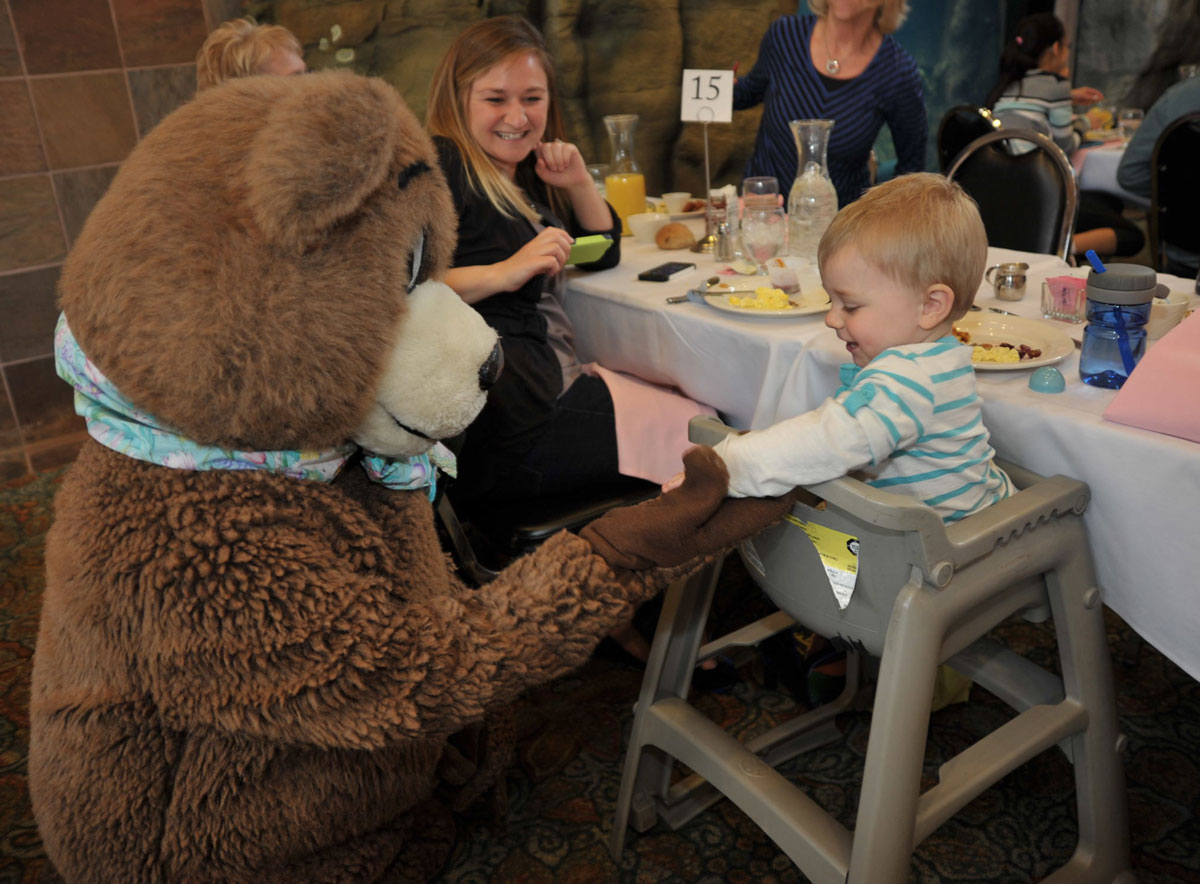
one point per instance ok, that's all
(1166, 313)
(676, 200)
(645, 224)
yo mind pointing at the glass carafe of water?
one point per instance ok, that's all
(812, 201)
(624, 185)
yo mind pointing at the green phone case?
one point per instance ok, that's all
(589, 248)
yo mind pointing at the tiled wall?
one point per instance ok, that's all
(80, 82)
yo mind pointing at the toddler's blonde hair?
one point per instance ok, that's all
(921, 229)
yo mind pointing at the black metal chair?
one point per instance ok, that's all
(1028, 201)
(1175, 189)
(959, 126)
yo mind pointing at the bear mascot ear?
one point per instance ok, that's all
(318, 156)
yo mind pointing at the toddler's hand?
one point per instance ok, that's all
(672, 483)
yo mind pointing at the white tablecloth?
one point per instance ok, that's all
(755, 370)
(1096, 168)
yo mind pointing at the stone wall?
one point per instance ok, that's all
(614, 56)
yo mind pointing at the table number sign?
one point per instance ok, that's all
(707, 97)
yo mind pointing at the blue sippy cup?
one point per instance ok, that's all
(1118, 305)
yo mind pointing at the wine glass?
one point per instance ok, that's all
(1128, 121)
(763, 234)
(760, 192)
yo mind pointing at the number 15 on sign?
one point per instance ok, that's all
(707, 97)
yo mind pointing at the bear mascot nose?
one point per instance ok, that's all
(491, 368)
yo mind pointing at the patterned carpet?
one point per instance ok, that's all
(564, 786)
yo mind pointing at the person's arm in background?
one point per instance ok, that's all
(1134, 171)
(907, 119)
(750, 89)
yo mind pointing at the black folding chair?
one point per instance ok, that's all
(960, 126)
(1175, 189)
(1028, 200)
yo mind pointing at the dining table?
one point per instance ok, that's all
(755, 370)
(1096, 169)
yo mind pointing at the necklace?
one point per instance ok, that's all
(832, 65)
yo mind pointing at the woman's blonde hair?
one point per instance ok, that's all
(920, 229)
(888, 17)
(238, 48)
(475, 51)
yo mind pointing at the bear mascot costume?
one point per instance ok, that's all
(254, 659)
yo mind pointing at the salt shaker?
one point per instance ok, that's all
(723, 248)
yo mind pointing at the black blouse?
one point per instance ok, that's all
(485, 236)
(520, 406)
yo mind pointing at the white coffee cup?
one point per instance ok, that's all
(645, 224)
(676, 200)
(1166, 313)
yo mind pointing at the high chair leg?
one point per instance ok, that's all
(647, 771)
(884, 831)
(1102, 854)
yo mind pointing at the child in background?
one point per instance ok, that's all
(243, 48)
(900, 265)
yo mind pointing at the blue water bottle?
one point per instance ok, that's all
(1118, 305)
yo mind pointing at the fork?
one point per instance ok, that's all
(994, 310)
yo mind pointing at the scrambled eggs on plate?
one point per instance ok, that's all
(764, 299)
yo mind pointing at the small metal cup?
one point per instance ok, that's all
(1009, 283)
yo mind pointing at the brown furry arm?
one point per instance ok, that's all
(310, 654)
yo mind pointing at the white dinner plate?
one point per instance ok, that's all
(1016, 330)
(683, 216)
(803, 308)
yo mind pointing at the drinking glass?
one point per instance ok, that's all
(598, 171)
(1128, 120)
(764, 232)
(760, 192)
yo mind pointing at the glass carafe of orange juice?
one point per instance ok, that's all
(624, 186)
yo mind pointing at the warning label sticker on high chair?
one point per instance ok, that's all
(839, 555)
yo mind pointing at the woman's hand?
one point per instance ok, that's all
(546, 253)
(560, 164)
(1086, 95)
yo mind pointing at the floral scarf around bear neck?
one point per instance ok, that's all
(116, 423)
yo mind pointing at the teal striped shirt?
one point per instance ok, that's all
(909, 421)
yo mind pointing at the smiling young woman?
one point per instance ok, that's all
(522, 192)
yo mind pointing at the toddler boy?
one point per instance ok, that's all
(900, 265)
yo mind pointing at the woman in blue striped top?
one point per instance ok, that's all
(842, 65)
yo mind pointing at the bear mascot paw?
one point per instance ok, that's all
(255, 663)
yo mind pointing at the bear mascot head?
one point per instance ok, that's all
(253, 655)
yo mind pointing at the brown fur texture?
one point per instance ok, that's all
(256, 237)
(244, 677)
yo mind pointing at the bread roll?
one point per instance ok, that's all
(674, 236)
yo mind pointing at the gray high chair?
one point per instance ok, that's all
(926, 593)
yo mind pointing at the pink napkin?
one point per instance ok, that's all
(1160, 393)
(652, 425)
